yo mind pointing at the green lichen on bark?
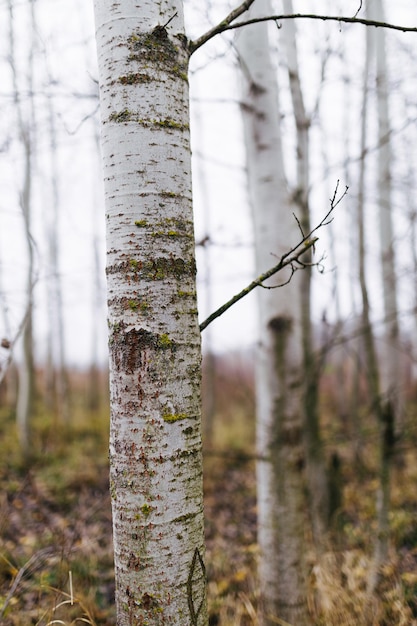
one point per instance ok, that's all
(157, 50)
(160, 268)
(121, 116)
(146, 509)
(164, 341)
(170, 123)
(134, 304)
(170, 226)
(171, 233)
(125, 115)
(170, 418)
(135, 78)
(171, 267)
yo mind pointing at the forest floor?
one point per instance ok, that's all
(56, 550)
(56, 561)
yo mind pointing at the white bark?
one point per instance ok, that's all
(281, 501)
(209, 370)
(413, 246)
(57, 375)
(25, 124)
(389, 370)
(155, 447)
(316, 469)
(390, 361)
(95, 392)
(381, 410)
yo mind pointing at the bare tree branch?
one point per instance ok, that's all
(227, 25)
(291, 259)
(193, 45)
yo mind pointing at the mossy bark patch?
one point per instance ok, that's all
(135, 78)
(157, 269)
(159, 51)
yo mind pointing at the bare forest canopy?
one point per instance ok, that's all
(66, 226)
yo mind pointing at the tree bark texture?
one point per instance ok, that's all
(280, 478)
(155, 369)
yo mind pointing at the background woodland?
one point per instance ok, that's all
(316, 119)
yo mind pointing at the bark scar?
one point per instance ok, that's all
(197, 559)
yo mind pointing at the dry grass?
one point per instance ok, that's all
(341, 597)
(55, 526)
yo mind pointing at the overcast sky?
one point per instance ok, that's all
(65, 75)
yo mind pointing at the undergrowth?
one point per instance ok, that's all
(56, 562)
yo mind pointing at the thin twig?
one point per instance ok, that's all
(359, 9)
(289, 259)
(170, 19)
(227, 25)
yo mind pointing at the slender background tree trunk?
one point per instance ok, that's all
(315, 461)
(391, 379)
(281, 502)
(26, 127)
(388, 400)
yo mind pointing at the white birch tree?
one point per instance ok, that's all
(26, 129)
(388, 400)
(315, 461)
(281, 502)
(390, 363)
(379, 408)
(155, 442)
(57, 383)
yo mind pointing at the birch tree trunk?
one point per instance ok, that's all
(96, 303)
(412, 215)
(315, 461)
(209, 369)
(25, 124)
(389, 370)
(155, 441)
(380, 410)
(390, 362)
(281, 502)
(58, 393)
